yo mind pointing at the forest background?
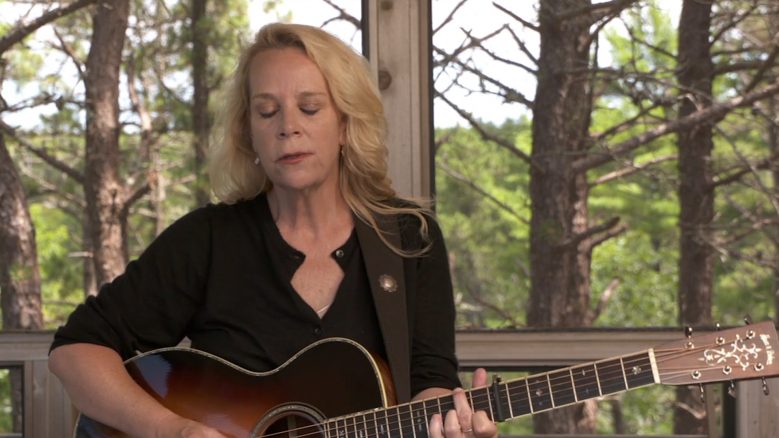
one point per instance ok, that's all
(624, 175)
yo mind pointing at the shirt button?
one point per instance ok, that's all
(317, 331)
(339, 253)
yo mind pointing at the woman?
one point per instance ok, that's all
(281, 263)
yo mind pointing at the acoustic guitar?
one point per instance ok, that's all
(336, 389)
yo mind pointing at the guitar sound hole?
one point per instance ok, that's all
(290, 422)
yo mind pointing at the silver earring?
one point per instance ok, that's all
(256, 161)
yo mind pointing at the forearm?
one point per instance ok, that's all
(100, 387)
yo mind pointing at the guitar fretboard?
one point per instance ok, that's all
(505, 400)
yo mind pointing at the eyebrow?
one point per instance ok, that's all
(303, 95)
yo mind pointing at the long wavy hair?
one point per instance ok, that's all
(364, 182)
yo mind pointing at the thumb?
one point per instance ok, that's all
(479, 378)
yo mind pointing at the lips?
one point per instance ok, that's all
(293, 158)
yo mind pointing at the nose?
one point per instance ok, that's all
(289, 125)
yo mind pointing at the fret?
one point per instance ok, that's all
(480, 400)
(585, 382)
(491, 412)
(393, 422)
(573, 385)
(561, 385)
(340, 428)
(502, 402)
(419, 418)
(638, 370)
(361, 426)
(405, 424)
(445, 404)
(520, 404)
(369, 424)
(331, 431)
(622, 368)
(351, 427)
(508, 400)
(382, 424)
(540, 398)
(610, 376)
(432, 407)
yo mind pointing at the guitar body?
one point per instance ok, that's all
(328, 379)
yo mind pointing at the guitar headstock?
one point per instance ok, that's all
(748, 352)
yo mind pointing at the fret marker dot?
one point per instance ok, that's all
(539, 392)
(636, 370)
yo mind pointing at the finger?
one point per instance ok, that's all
(463, 410)
(483, 427)
(436, 426)
(479, 378)
(452, 425)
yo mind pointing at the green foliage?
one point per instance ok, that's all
(487, 237)
(59, 249)
(275, 6)
(6, 421)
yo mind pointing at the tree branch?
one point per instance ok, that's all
(43, 155)
(524, 22)
(473, 186)
(484, 134)
(712, 113)
(577, 238)
(630, 170)
(449, 17)
(19, 33)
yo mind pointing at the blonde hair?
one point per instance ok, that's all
(364, 182)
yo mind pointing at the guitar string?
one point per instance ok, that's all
(362, 422)
(481, 395)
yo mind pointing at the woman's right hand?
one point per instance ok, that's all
(100, 387)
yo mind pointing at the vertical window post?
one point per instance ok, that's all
(398, 47)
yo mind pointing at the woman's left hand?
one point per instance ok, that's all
(462, 421)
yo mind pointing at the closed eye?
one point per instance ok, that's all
(309, 111)
(266, 114)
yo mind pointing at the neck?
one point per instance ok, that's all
(312, 213)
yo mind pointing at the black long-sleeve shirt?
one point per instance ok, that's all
(221, 276)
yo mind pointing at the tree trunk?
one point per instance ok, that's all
(696, 194)
(560, 262)
(773, 143)
(201, 123)
(104, 190)
(20, 280)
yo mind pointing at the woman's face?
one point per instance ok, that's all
(295, 127)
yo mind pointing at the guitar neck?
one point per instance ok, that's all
(511, 399)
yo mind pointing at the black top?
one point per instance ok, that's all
(221, 276)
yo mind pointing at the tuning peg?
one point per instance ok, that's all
(703, 397)
(747, 319)
(688, 334)
(716, 327)
(765, 387)
(732, 389)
